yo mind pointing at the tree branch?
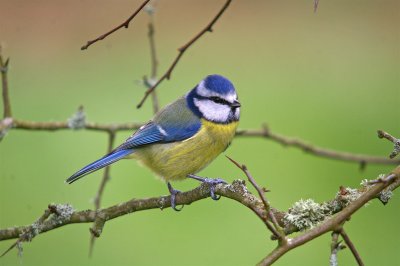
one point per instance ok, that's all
(275, 229)
(236, 191)
(336, 246)
(6, 98)
(353, 249)
(395, 141)
(64, 214)
(315, 150)
(154, 61)
(104, 180)
(316, 2)
(332, 223)
(125, 24)
(61, 125)
(263, 133)
(182, 50)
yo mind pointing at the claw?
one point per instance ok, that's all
(173, 193)
(212, 182)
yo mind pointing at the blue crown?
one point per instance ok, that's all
(219, 84)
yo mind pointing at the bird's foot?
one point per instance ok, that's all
(173, 193)
(212, 182)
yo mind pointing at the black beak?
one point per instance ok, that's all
(235, 104)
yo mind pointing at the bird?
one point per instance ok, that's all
(183, 137)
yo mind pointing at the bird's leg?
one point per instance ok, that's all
(212, 182)
(173, 193)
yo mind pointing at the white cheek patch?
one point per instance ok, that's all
(213, 111)
(203, 91)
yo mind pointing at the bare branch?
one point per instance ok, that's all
(316, 2)
(27, 235)
(182, 50)
(154, 61)
(53, 126)
(6, 97)
(351, 246)
(336, 246)
(395, 141)
(264, 133)
(97, 199)
(315, 150)
(123, 25)
(331, 224)
(236, 191)
(276, 229)
(106, 173)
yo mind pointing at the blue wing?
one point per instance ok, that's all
(174, 123)
(100, 163)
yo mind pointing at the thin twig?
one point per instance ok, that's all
(276, 229)
(125, 24)
(315, 150)
(53, 126)
(153, 54)
(106, 173)
(336, 220)
(351, 246)
(316, 2)
(106, 177)
(395, 141)
(27, 235)
(182, 50)
(335, 247)
(263, 133)
(10, 248)
(4, 83)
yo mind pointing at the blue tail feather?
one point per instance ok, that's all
(100, 163)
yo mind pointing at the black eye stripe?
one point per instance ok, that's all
(215, 99)
(219, 100)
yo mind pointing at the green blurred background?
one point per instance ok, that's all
(332, 78)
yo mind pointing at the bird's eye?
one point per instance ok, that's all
(218, 100)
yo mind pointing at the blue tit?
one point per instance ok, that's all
(184, 137)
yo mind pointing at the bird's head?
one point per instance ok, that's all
(215, 99)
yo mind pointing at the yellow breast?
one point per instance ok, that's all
(176, 160)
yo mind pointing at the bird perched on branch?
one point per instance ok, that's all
(184, 137)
